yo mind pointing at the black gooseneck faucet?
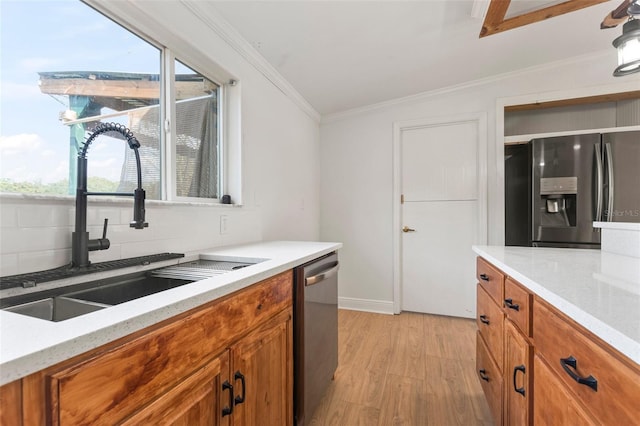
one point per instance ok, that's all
(81, 245)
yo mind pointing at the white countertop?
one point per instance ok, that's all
(600, 291)
(28, 344)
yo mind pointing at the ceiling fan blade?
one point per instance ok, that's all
(617, 16)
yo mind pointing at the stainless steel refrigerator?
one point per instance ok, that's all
(576, 180)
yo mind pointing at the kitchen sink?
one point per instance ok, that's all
(72, 301)
(56, 308)
(128, 289)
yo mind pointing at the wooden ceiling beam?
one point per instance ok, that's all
(494, 21)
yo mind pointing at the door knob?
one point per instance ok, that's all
(407, 229)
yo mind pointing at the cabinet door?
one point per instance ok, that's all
(517, 377)
(553, 404)
(262, 374)
(198, 400)
(490, 379)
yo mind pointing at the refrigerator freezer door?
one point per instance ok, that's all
(564, 195)
(622, 177)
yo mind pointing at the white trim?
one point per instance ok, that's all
(482, 221)
(366, 305)
(525, 138)
(328, 118)
(233, 38)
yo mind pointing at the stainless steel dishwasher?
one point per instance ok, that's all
(315, 345)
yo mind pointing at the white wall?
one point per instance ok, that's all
(280, 144)
(356, 153)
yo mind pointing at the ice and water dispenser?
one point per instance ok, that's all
(557, 198)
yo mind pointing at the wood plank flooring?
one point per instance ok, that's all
(409, 369)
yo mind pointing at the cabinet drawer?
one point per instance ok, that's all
(490, 323)
(618, 380)
(490, 379)
(115, 383)
(553, 404)
(491, 279)
(517, 305)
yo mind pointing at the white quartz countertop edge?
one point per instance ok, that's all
(28, 345)
(606, 329)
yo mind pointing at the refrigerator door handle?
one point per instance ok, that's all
(609, 211)
(599, 181)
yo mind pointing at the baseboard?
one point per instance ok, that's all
(367, 305)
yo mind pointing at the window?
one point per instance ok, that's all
(68, 67)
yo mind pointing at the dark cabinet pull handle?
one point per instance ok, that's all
(509, 304)
(228, 409)
(569, 365)
(515, 371)
(484, 277)
(483, 375)
(236, 376)
(484, 320)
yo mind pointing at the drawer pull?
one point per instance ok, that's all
(236, 376)
(484, 277)
(484, 320)
(228, 409)
(483, 375)
(509, 304)
(515, 371)
(569, 365)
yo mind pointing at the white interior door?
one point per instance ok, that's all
(439, 183)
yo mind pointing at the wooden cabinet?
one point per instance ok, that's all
(490, 378)
(517, 303)
(490, 321)
(554, 404)
(554, 372)
(260, 362)
(517, 374)
(196, 401)
(605, 382)
(491, 279)
(503, 329)
(11, 403)
(182, 369)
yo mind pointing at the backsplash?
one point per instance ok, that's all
(36, 231)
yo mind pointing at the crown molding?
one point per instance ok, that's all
(342, 115)
(233, 38)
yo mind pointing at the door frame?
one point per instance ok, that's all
(480, 119)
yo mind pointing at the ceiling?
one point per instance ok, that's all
(345, 54)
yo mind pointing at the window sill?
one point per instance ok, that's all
(109, 200)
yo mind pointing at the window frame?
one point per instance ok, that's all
(169, 128)
(134, 19)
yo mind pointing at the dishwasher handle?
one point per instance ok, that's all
(315, 279)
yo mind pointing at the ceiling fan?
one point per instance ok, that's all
(620, 15)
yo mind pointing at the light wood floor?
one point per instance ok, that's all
(408, 369)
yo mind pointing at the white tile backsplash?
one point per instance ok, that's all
(36, 234)
(9, 264)
(41, 216)
(46, 259)
(8, 216)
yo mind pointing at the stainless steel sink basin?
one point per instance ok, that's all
(56, 308)
(129, 289)
(69, 302)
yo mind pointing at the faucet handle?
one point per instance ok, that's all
(100, 243)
